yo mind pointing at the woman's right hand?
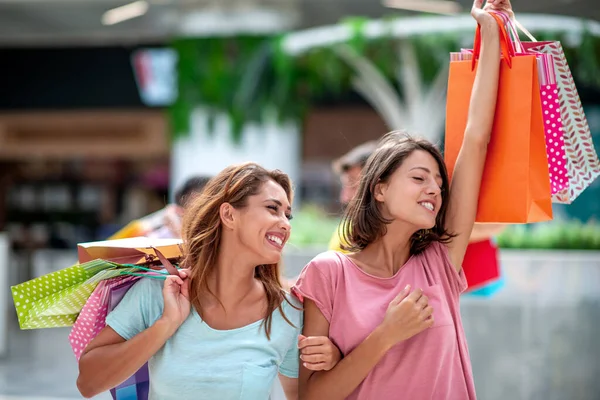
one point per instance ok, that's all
(408, 314)
(499, 5)
(176, 294)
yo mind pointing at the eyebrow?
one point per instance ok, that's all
(426, 170)
(278, 203)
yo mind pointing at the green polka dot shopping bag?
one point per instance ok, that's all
(56, 299)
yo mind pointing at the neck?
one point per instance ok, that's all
(232, 278)
(391, 251)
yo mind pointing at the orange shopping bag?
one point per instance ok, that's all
(515, 187)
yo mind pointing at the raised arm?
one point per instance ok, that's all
(466, 180)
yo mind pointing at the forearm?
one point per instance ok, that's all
(485, 88)
(105, 367)
(344, 378)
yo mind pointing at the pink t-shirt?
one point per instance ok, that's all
(433, 364)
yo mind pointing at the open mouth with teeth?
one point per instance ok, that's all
(427, 205)
(275, 241)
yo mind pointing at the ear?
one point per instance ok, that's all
(227, 214)
(379, 192)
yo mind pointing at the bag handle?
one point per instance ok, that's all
(513, 25)
(506, 44)
(524, 30)
(165, 262)
(512, 31)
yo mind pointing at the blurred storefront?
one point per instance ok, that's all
(80, 153)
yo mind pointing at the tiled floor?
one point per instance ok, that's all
(39, 365)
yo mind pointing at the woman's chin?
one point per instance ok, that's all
(271, 257)
(425, 225)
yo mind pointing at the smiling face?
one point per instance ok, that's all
(262, 226)
(412, 193)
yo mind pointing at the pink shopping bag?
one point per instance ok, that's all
(571, 128)
(92, 318)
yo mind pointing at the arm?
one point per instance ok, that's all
(351, 370)
(464, 190)
(109, 359)
(290, 387)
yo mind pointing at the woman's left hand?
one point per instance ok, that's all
(318, 353)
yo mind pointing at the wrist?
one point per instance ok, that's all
(165, 327)
(489, 27)
(381, 340)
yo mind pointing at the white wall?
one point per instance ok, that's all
(201, 153)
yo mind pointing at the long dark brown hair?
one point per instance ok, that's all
(201, 231)
(363, 222)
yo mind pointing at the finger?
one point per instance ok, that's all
(311, 341)
(313, 350)
(315, 367)
(423, 301)
(415, 295)
(429, 322)
(300, 339)
(185, 289)
(477, 4)
(427, 312)
(313, 358)
(183, 273)
(172, 280)
(402, 295)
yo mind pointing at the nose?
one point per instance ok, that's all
(285, 224)
(433, 189)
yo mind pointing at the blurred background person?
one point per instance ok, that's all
(165, 223)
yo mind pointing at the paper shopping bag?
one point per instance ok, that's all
(139, 250)
(137, 386)
(52, 300)
(515, 187)
(572, 159)
(581, 161)
(92, 318)
(553, 126)
(480, 265)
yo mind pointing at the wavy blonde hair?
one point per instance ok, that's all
(202, 229)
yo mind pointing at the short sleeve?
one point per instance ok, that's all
(316, 282)
(457, 280)
(139, 309)
(291, 362)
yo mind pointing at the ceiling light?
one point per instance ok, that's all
(432, 6)
(123, 13)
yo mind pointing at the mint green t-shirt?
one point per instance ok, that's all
(199, 362)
